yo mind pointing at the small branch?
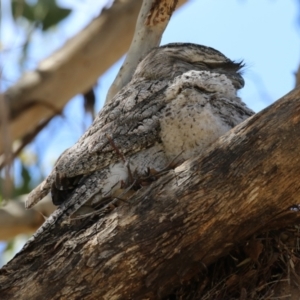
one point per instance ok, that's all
(5, 139)
(297, 77)
(152, 21)
(15, 219)
(28, 138)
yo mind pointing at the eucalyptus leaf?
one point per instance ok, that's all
(45, 13)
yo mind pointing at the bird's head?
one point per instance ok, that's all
(174, 59)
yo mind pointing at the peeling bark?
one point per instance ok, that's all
(153, 19)
(245, 183)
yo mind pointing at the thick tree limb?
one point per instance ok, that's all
(42, 93)
(245, 183)
(153, 19)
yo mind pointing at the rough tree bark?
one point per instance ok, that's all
(245, 183)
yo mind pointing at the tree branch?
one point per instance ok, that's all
(42, 93)
(15, 219)
(245, 183)
(153, 19)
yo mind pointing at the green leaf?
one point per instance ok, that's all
(53, 14)
(21, 8)
(25, 188)
(45, 13)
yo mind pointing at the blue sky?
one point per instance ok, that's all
(265, 34)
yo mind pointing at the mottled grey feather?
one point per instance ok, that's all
(182, 97)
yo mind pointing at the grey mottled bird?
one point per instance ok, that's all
(181, 98)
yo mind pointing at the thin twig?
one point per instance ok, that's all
(7, 146)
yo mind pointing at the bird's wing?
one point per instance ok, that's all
(128, 124)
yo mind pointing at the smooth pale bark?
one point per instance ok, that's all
(245, 183)
(73, 69)
(152, 21)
